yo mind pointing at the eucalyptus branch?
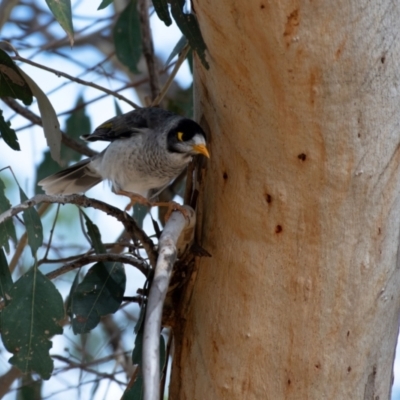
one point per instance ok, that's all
(67, 140)
(77, 80)
(80, 200)
(171, 78)
(88, 259)
(177, 229)
(148, 47)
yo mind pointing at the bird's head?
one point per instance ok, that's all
(187, 137)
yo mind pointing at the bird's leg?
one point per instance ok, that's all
(172, 206)
(134, 198)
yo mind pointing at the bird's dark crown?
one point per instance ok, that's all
(186, 129)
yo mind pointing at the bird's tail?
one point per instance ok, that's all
(75, 179)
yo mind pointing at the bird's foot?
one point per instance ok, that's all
(172, 206)
(134, 199)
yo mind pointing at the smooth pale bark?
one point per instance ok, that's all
(301, 297)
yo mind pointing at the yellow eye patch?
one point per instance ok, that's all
(179, 135)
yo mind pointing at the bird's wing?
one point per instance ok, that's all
(129, 124)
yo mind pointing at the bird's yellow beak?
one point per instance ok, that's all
(201, 149)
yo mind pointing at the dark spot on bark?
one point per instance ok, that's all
(225, 176)
(348, 369)
(370, 386)
(268, 198)
(278, 229)
(379, 231)
(289, 382)
(359, 135)
(383, 58)
(262, 6)
(348, 333)
(302, 157)
(318, 365)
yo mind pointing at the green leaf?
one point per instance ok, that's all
(135, 392)
(12, 82)
(77, 124)
(30, 320)
(51, 126)
(46, 168)
(182, 102)
(7, 229)
(8, 134)
(128, 38)
(61, 10)
(100, 293)
(182, 42)
(161, 8)
(139, 213)
(68, 305)
(5, 277)
(104, 4)
(118, 110)
(33, 225)
(94, 234)
(189, 26)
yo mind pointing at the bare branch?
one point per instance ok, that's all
(148, 48)
(77, 80)
(88, 259)
(170, 79)
(67, 140)
(177, 229)
(80, 200)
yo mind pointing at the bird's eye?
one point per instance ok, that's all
(179, 135)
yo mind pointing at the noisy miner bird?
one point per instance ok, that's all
(148, 149)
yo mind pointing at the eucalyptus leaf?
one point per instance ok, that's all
(128, 38)
(77, 125)
(100, 293)
(189, 26)
(12, 82)
(182, 42)
(33, 225)
(94, 234)
(104, 4)
(51, 126)
(46, 168)
(5, 277)
(61, 10)
(8, 134)
(161, 8)
(29, 321)
(7, 229)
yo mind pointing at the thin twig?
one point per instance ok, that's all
(148, 47)
(170, 79)
(51, 230)
(80, 200)
(73, 364)
(77, 80)
(88, 259)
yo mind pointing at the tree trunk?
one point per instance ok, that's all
(301, 297)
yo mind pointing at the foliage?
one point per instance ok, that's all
(33, 303)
